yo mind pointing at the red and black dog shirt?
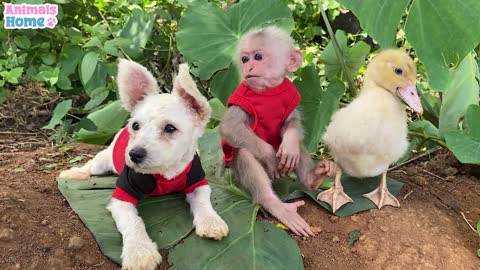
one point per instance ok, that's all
(132, 186)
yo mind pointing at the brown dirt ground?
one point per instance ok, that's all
(427, 232)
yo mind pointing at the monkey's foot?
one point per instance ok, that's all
(287, 214)
(335, 197)
(381, 197)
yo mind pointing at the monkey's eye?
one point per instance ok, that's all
(398, 71)
(258, 56)
(135, 126)
(245, 59)
(169, 129)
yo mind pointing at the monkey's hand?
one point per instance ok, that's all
(269, 159)
(324, 169)
(287, 214)
(289, 153)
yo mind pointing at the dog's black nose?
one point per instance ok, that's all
(137, 154)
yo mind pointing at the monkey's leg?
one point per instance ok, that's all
(253, 177)
(381, 196)
(335, 196)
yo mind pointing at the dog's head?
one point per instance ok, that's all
(164, 128)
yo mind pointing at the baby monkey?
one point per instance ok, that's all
(262, 134)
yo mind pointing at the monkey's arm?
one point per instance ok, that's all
(234, 129)
(292, 139)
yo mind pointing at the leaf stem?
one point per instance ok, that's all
(431, 138)
(338, 52)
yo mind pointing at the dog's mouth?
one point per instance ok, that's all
(251, 76)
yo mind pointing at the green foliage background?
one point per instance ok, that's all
(78, 59)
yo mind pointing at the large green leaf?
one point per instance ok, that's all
(378, 18)
(465, 144)
(462, 91)
(354, 57)
(317, 105)
(137, 29)
(250, 244)
(225, 82)
(208, 22)
(108, 121)
(442, 32)
(89, 200)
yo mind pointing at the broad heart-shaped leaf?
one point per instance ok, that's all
(462, 91)
(138, 30)
(88, 66)
(354, 57)
(207, 36)
(465, 144)
(89, 200)
(59, 112)
(317, 105)
(250, 244)
(225, 82)
(441, 32)
(379, 18)
(354, 187)
(108, 121)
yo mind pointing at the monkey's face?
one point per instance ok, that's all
(262, 65)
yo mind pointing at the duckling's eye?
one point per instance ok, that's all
(245, 59)
(169, 129)
(398, 71)
(135, 126)
(258, 57)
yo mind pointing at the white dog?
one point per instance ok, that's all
(155, 155)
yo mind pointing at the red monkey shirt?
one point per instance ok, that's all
(269, 109)
(133, 186)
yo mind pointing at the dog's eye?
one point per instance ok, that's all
(169, 129)
(135, 126)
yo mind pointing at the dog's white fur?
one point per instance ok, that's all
(167, 154)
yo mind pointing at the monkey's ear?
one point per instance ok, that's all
(184, 86)
(134, 83)
(295, 58)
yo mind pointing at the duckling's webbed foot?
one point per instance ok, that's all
(335, 196)
(381, 196)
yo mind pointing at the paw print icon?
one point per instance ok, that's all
(51, 22)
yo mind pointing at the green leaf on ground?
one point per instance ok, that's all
(89, 200)
(354, 57)
(108, 121)
(317, 106)
(223, 29)
(59, 112)
(465, 144)
(462, 91)
(3, 95)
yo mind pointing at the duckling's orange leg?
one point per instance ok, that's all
(381, 196)
(335, 196)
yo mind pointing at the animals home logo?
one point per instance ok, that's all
(24, 16)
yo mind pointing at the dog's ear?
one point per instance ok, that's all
(185, 88)
(134, 83)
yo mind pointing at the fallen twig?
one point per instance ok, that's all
(469, 225)
(432, 174)
(95, 265)
(408, 194)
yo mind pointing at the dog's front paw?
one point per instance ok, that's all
(211, 226)
(140, 255)
(75, 173)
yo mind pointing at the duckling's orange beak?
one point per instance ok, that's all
(409, 95)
